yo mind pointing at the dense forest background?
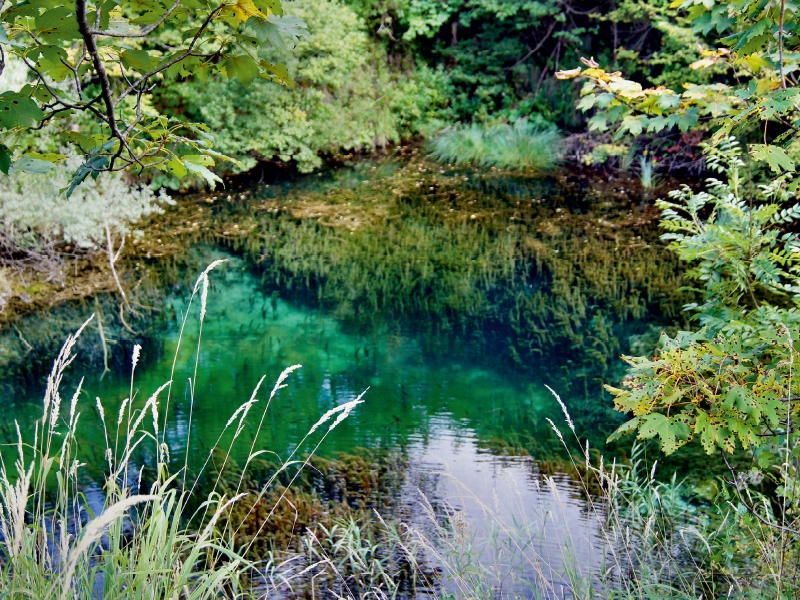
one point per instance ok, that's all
(373, 72)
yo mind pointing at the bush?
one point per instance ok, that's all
(347, 97)
(33, 212)
(38, 225)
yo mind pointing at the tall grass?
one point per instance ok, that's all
(148, 543)
(138, 543)
(523, 146)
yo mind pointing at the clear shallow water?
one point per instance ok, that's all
(411, 396)
(447, 411)
(456, 412)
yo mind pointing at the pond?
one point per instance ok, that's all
(446, 300)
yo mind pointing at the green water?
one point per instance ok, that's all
(447, 300)
(410, 395)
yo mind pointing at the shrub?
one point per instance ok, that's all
(347, 97)
(33, 212)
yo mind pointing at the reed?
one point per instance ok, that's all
(648, 178)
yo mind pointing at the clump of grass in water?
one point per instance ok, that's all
(140, 545)
(648, 179)
(524, 146)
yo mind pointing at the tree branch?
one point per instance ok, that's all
(145, 31)
(97, 62)
(175, 60)
(534, 50)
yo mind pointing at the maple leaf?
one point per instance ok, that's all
(775, 157)
(242, 10)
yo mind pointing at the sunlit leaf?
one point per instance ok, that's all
(197, 165)
(241, 66)
(775, 157)
(138, 60)
(274, 28)
(57, 25)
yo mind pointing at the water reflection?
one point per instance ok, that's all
(442, 409)
(411, 395)
(525, 530)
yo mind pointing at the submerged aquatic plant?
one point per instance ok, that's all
(535, 280)
(524, 146)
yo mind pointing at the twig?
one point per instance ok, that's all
(145, 31)
(750, 508)
(102, 338)
(112, 258)
(23, 340)
(535, 49)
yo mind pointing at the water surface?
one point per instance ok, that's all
(452, 366)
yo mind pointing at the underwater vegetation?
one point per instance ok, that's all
(537, 272)
(555, 276)
(523, 146)
(321, 491)
(150, 269)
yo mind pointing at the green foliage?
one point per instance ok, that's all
(741, 252)
(500, 55)
(92, 66)
(726, 391)
(756, 65)
(347, 97)
(523, 146)
(32, 215)
(729, 384)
